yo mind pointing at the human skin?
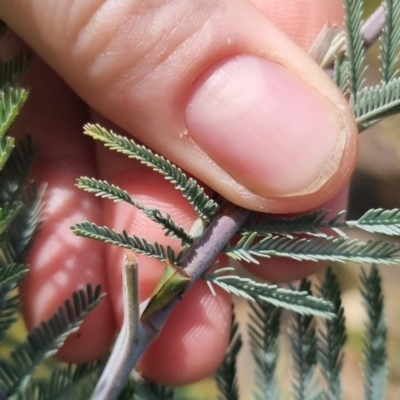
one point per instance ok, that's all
(144, 68)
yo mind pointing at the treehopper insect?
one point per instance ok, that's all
(171, 285)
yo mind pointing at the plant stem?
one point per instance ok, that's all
(373, 26)
(118, 368)
(135, 336)
(371, 30)
(199, 257)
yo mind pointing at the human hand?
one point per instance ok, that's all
(192, 81)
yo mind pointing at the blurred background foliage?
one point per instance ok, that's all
(376, 183)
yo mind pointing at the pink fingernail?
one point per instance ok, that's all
(267, 128)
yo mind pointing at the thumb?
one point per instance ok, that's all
(213, 86)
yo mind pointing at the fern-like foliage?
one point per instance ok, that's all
(298, 301)
(319, 249)
(355, 47)
(341, 74)
(226, 375)
(19, 238)
(11, 71)
(104, 190)
(20, 208)
(20, 205)
(377, 102)
(15, 175)
(46, 339)
(11, 275)
(133, 243)
(332, 338)
(7, 214)
(311, 223)
(302, 334)
(371, 104)
(390, 40)
(264, 330)
(190, 189)
(378, 221)
(65, 382)
(375, 369)
(316, 223)
(9, 307)
(6, 147)
(146, 390)
(11, 102)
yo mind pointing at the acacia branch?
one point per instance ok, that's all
(136, 336)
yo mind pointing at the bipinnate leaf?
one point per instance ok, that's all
(313, 223)
(226, 375)
(332, 337)
(46, 339)
(133, 243)
(11, 101)
(15, 176)
(354, 47)
(12, 70)
(375, 368)
(264, 330)
(341, 74)
(318, 223)
(378, 221)
(19, 239)
(11, 275)
(390, 40)
(377, 102)
(112, 192)
(319, 249)
(297, 301)
(303, 340)
(64, 383)
(7, 214)
(9, 308)
(189, 188)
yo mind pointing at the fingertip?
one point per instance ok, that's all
(130, 88)
(301, 20)
(194, 340)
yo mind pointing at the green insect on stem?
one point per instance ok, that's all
(171, 285)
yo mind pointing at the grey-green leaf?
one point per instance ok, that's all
(189, 188)
(299, 302)
(46, 339)
(133, 243)
(390, 40)
(11, 102)
(320, 249)
(112, 192)
(354, 47)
